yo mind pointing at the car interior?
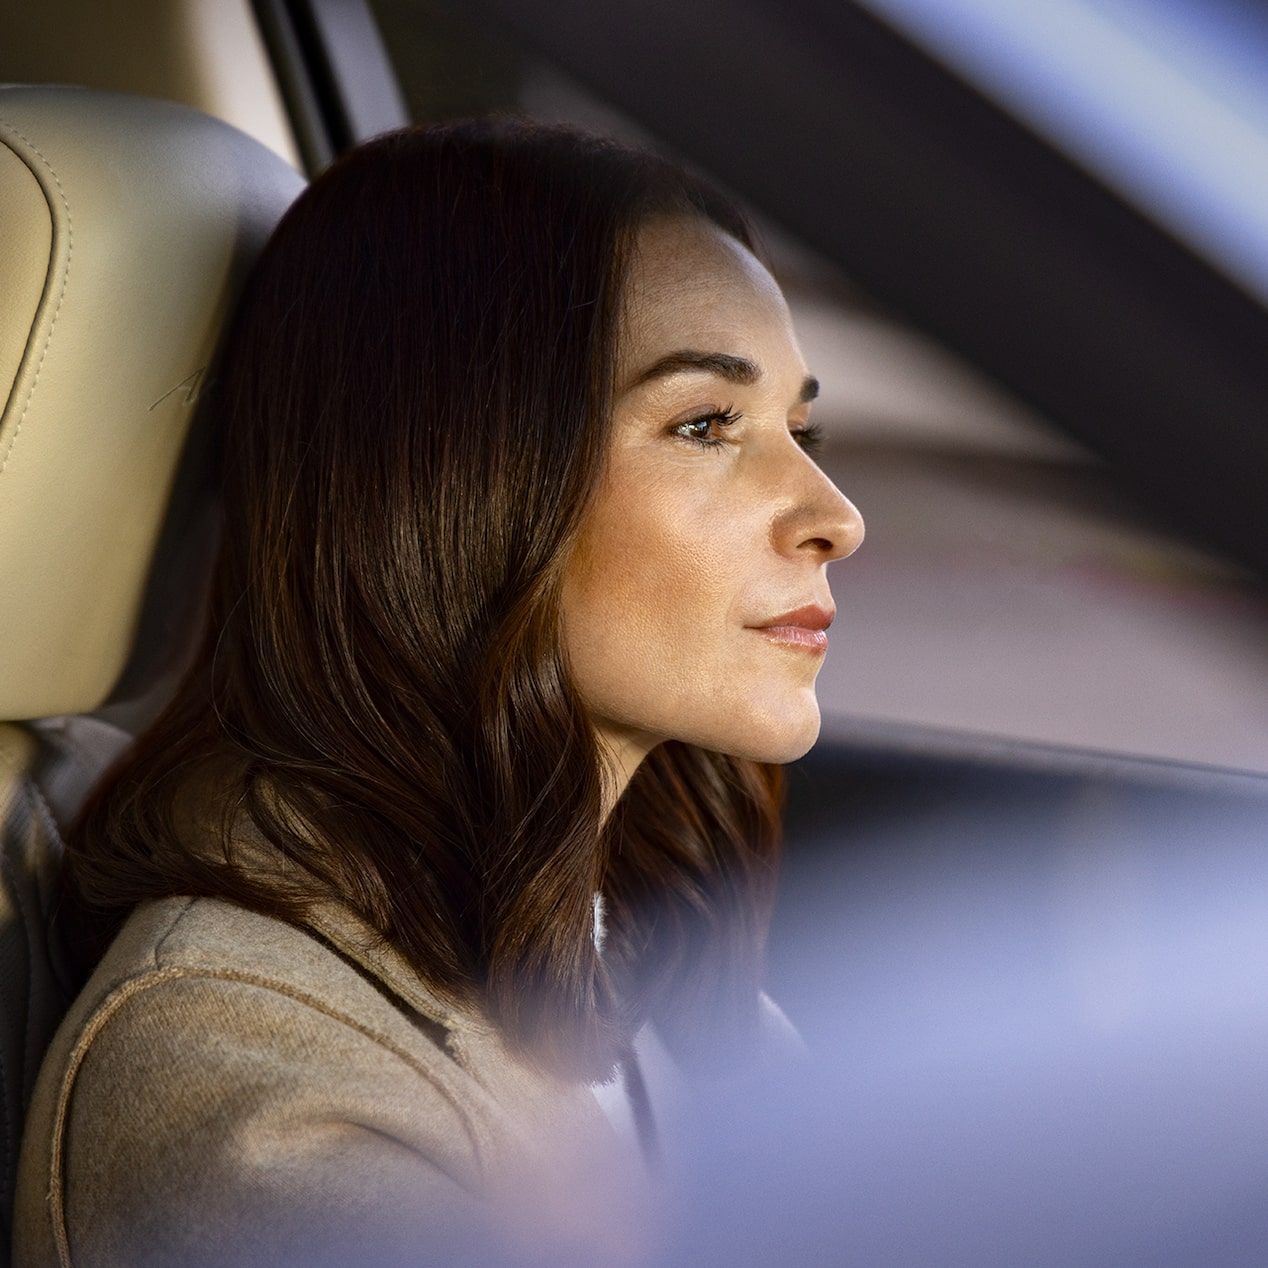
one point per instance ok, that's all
(128, 225)
(1049, 409)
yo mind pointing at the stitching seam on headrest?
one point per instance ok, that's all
(70, 248)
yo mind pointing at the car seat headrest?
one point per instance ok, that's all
(126, 226)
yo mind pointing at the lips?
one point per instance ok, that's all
(804, 628)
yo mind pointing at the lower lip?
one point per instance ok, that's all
(797, 636)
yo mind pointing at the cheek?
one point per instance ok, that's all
(656, 598)
(650, 592)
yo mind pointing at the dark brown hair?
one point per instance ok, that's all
(415, 399)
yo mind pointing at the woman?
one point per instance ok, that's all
(523, 585)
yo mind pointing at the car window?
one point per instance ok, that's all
(1163, 100)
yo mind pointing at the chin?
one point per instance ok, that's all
(780, 740)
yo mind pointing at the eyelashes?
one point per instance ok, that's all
(709, 430)
(706, 431)
(809, 437)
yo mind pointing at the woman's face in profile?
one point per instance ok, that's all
(697, 599)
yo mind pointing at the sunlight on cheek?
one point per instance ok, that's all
(655, 606)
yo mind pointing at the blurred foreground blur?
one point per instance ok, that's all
(1037, 1015)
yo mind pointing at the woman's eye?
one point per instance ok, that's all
(707, 430)
(809, 437)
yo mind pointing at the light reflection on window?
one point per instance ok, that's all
(1164, 100)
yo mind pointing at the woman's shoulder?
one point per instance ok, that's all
(217, 970)
(226, 1071)
(334, 962)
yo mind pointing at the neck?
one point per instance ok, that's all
(623, 753)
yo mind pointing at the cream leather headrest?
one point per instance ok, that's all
(126, 226)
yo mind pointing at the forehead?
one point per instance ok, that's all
(691, 285)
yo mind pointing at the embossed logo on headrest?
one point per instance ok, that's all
(190, 386)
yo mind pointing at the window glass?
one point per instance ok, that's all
(1166, 101)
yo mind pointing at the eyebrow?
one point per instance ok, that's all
(725, 365)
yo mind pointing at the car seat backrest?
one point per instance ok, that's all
(126, 226)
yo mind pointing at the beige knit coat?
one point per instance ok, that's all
(232, 1090)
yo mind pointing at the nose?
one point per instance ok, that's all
(821, 519)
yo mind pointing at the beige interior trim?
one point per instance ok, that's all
(207, 54)
(23, 267)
